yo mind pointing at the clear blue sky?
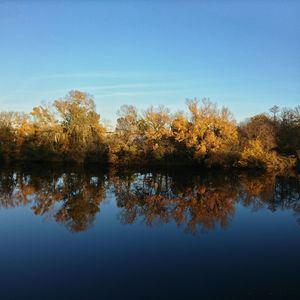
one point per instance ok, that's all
(242, 55)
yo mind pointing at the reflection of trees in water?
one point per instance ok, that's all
(206, 200)
(271, 192)
(71, 198)
(194, 201)
(256, 191)
(159, 198)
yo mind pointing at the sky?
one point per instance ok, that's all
(244, 55)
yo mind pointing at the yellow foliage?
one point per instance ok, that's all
(254, 156)
(208, 130)
(70, 129)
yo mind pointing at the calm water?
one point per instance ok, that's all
(70, 233)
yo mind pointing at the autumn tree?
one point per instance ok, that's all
(82, 132)
(156, 129)
(15, 129)
(261, 128)
(7, 135)
(140, 138)
(46, 139)
(289, 131)
(208, 133)
(70, 129)
(255, 156)
(125, 142)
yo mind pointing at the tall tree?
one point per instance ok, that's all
(125, 142)
(83, 132)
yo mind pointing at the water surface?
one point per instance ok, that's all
(87, 233)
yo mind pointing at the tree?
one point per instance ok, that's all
(15, 129)
(259, 127)
(141, 138)
(207, 133)
(7, 135)
(274, 110)
(83, 134)
(124, 143)
(47, 139)
(157, 131)
(70, 129)
(289, 130)
(255, 155)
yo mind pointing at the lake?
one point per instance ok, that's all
(91, 233)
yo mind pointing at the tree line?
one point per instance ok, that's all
(70, 129)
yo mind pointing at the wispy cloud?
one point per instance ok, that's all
(143, 93)
(119, 86)
(98, 91)
(79, 75)
(99, 74)
(113, 89)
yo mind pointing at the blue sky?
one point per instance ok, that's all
(242, 55)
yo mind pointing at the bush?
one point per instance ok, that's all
(254, 156)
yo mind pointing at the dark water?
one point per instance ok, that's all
(70, 233)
